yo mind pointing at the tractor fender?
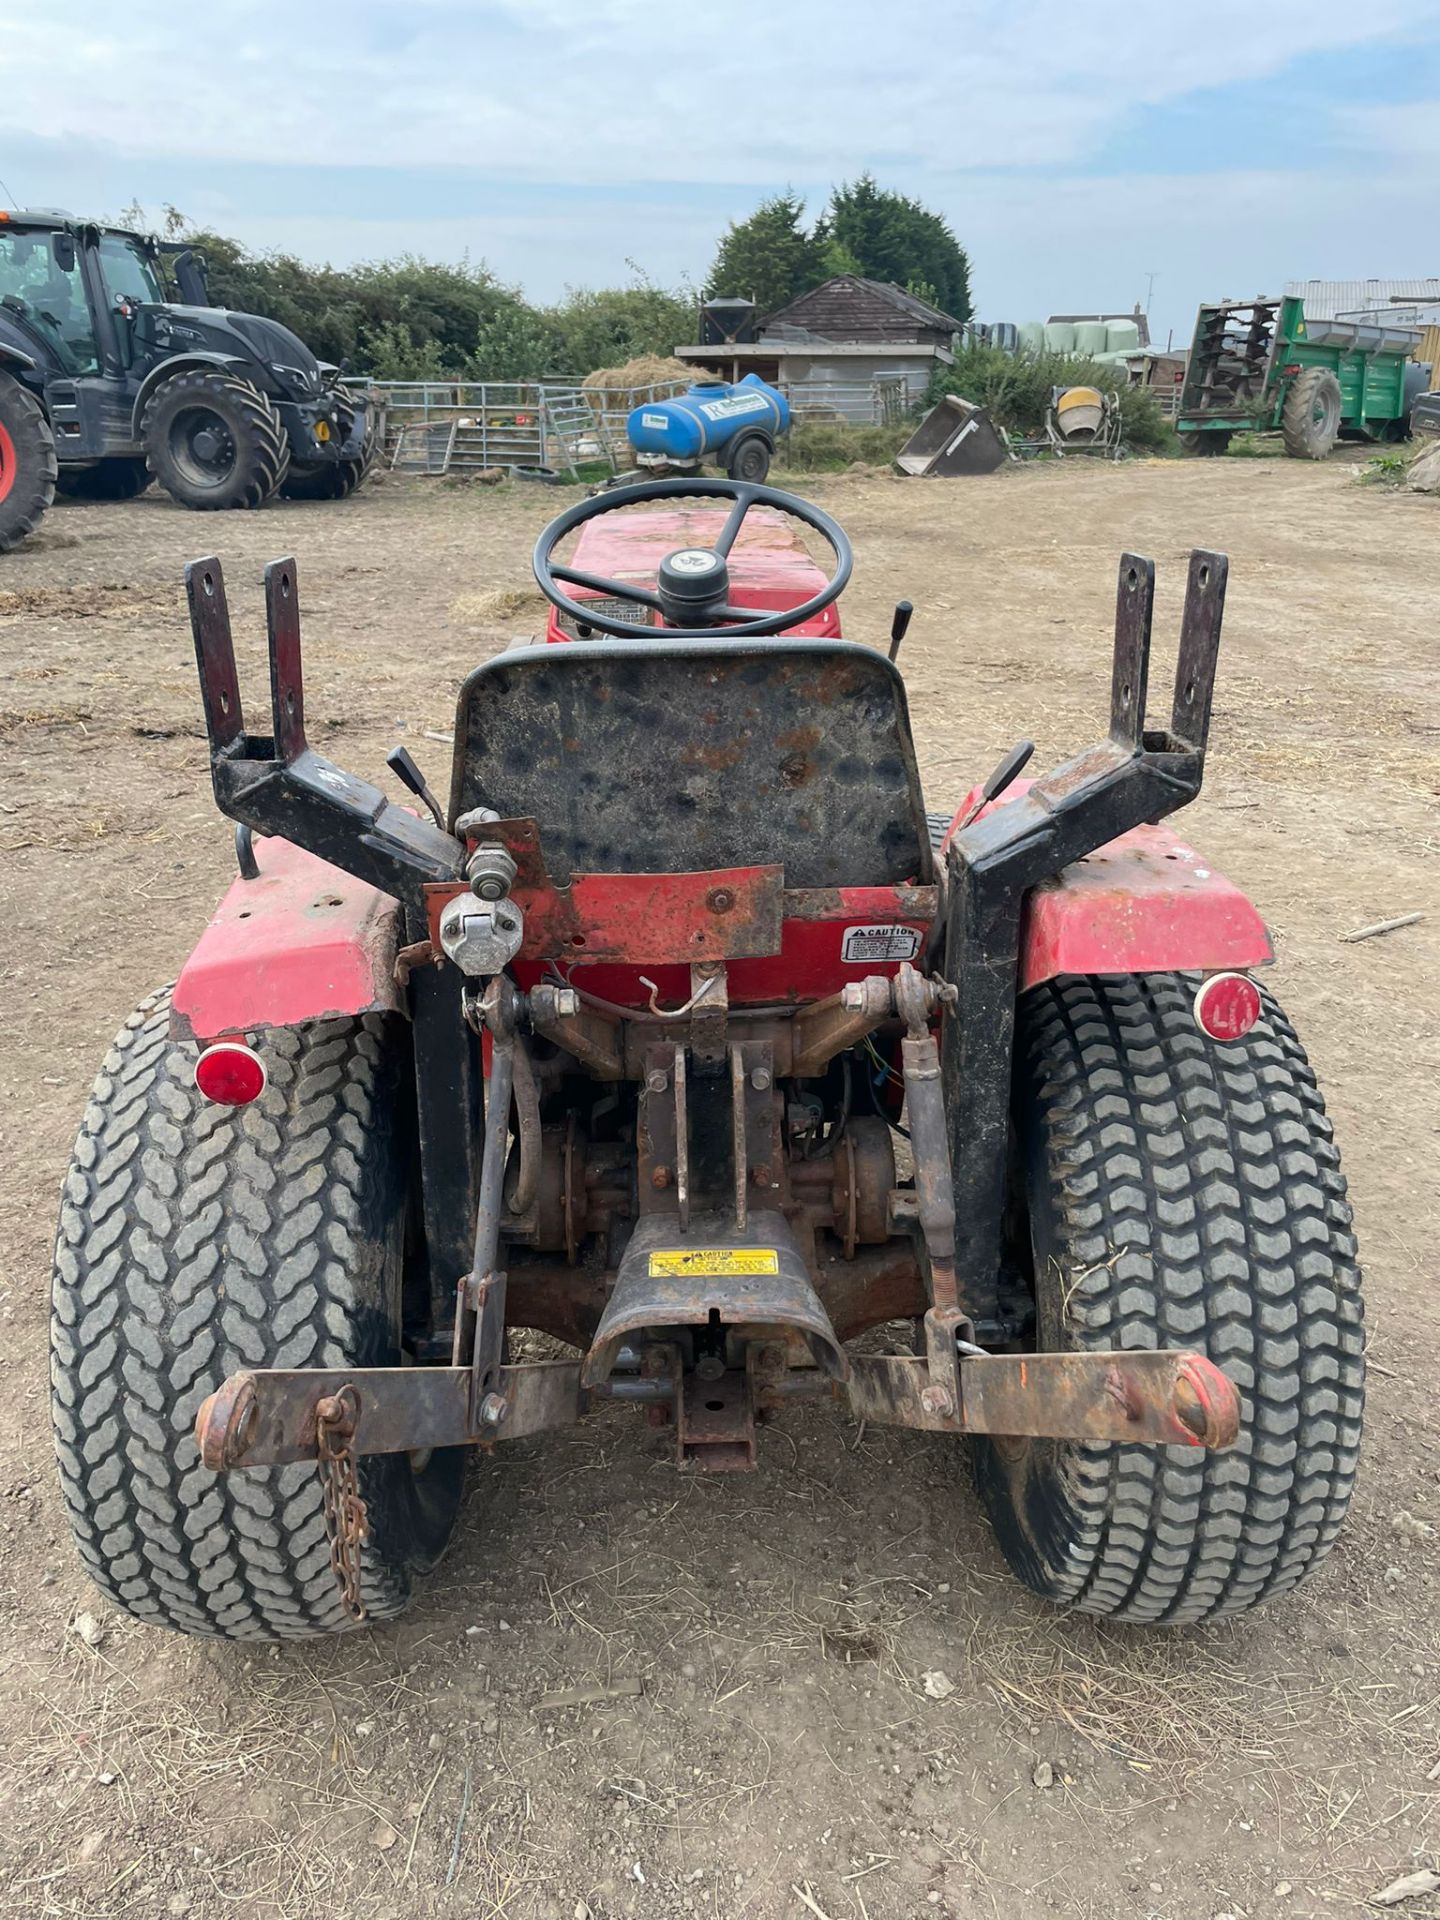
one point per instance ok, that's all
(1146, 902)
(13, 357)
(300, 942)
(179, 363)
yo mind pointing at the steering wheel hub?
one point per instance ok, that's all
(692, 560)
(692, 584)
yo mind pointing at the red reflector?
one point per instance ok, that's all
(230, 1073)
(1227, 1006)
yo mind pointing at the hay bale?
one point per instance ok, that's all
(611, 390)
(649, 370)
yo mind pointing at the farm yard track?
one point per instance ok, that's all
(783, 1755)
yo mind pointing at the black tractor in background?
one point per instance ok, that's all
(106, 383)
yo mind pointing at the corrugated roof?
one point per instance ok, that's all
(1326, 299)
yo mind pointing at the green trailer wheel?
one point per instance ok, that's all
(1311, 417)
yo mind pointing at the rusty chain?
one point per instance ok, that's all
(347, 1523)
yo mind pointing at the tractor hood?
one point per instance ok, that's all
(290, 363)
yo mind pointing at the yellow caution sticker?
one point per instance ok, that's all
(673, 1263)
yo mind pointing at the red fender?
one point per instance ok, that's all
(1144, 903)
(302, 942)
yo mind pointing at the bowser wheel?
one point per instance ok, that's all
(1181, 1192)
(748, 460)
(198, 1239)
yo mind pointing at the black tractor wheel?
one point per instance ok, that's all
(214, 441)
(118, 479)
(1310, 419)
(336, 479)
(27, 463)
(1181, 1193)
(748, 460)
(1207, 443)
(197, 1239)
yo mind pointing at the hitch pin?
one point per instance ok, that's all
(678, 1013)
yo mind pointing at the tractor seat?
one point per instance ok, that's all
(641, 757)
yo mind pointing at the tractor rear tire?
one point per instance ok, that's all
(213, 441)
(1181, 1193)
(122, 478)
(197, 1239)
(1310, 419)
(27, 463)
(748, 461)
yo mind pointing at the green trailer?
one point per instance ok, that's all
(1258, 366)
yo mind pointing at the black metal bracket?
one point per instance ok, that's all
(277, 783)
(1133, 776)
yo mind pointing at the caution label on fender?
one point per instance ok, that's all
(862, 945)
(675, 1263)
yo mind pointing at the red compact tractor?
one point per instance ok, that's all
(682, 1033)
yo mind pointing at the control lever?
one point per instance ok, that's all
(401, 763)
(899, 625)
(1009, 769)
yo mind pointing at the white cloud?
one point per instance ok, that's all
(610, 89)
(987, 110)
(1406, 133)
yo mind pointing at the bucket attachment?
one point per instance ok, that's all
(955, 437)
(750, 1282)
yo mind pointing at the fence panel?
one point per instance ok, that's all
(514, 423)
(860, 403)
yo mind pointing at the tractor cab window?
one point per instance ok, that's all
(130, 275)
(48, 299)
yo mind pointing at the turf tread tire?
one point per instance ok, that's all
(261, 441)
(32, 491)
(195, 1239)
(1182, 1193)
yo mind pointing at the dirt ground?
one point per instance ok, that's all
(782, 1757)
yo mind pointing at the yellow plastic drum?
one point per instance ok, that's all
(1079, 412)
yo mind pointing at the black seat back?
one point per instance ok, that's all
(642, 757)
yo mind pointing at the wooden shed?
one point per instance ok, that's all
(849, 308)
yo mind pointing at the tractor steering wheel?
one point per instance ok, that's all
(692, 584)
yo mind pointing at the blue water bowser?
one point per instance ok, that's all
(714, 424)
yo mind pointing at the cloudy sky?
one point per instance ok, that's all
(1076, 149)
